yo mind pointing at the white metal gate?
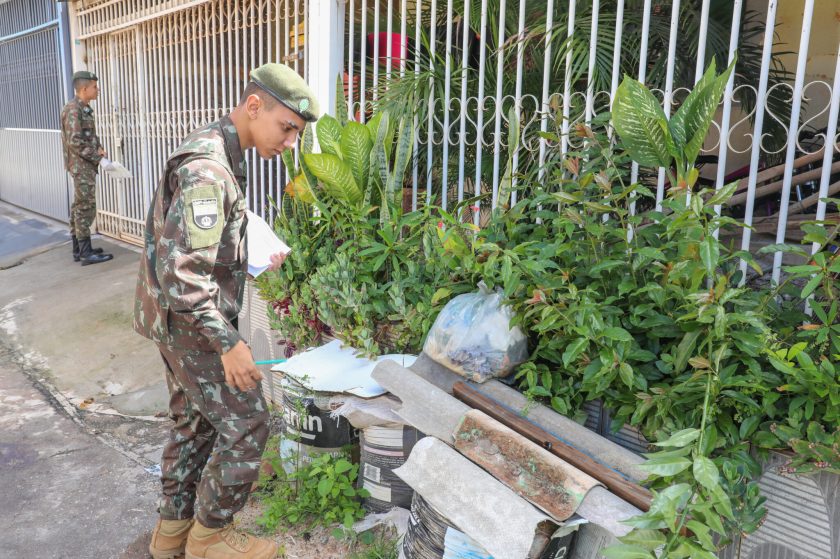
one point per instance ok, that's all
(121, 203)
(558, 63)
(167, 67)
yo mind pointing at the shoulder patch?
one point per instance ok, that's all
(205, 212)
(205, 219)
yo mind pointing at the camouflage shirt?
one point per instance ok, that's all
(78, 137)
(192, 274)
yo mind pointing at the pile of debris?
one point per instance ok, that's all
(484, 471)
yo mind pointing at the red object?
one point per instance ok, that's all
(399, 48)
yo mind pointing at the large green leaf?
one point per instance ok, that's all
(680, 438)
(641, 124)
(356, 145)
(667, 466)
(335, 176)
(329, 135)
(678, 124)
(706, 473)
(690, 124)
(710, 254)
(685, 350)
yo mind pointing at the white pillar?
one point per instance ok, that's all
(326, 50)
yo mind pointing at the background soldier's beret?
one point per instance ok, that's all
(286, 85)
(84, 75)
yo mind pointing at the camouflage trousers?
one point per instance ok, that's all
(83, 210)
(215, 447)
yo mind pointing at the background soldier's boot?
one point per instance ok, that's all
(96, 250)
(87, 256)
(169, 538)
(76, 248)
(227, 543)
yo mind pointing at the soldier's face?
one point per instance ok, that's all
(275, 130)
(91, 90)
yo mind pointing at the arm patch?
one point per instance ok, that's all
(205, 216)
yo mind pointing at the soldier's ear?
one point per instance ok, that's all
(252, 106)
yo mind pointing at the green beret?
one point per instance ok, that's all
(286, 85)
(85, 75)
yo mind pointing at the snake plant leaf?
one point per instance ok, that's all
(405, 141)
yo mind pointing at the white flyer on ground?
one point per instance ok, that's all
(262, 243)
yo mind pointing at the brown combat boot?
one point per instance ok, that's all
(170, 543)
(228, 543)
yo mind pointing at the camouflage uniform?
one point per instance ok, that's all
(189, 294)
(81, 159)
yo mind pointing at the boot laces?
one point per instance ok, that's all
(236, 539)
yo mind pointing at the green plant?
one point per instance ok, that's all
(655, 324)
(656, 141)
(409, 94)
(361, 268)
(809, 404)
(376, 543)
(320, 492)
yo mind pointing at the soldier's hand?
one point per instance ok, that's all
(276, 261)
(240, 370)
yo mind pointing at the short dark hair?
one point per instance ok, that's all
(254, 89)
(81, 83)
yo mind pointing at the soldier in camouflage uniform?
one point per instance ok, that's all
(82, 154)
(189, 294)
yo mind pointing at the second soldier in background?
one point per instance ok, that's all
(82, 153)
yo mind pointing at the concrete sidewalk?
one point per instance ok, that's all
(64, 493)
(76, 321)
(81, 399)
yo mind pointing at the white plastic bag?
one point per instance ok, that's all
(472, 336)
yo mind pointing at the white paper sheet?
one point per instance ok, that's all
(331, 368)
(262, 243)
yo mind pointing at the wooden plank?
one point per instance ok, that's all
(776, 186)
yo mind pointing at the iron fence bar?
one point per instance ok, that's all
(802, 61)
(758, 129)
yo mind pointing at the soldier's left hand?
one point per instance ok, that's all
(276, 261)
